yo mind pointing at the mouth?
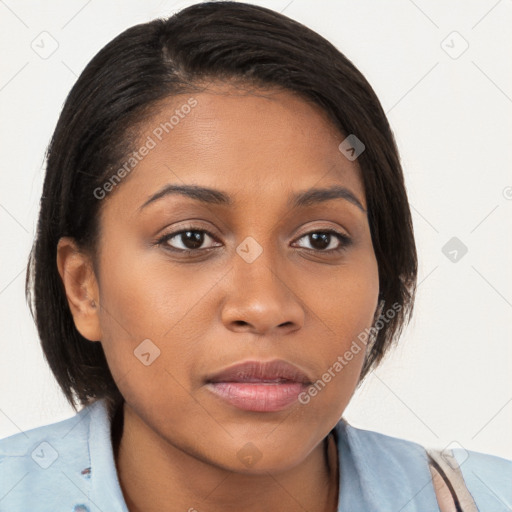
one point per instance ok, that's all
(259, 386)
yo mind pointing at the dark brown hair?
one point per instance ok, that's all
(206, 42)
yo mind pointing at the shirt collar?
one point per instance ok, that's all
(377, 472)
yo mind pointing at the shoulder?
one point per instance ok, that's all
(369, 443)
(382, 472)
(487, 477)
(48, 465)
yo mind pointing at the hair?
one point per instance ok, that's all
(123, 85)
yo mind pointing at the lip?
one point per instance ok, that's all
(260, 371)
(259, 386)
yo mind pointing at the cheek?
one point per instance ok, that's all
(140, 294)
(345, 302)
(346, 306)
(145, 297)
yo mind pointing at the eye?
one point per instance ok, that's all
(191, 239)
(326, 241)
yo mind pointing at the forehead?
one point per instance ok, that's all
(258, 146)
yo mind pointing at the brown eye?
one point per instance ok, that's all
(326, 241)
(187, 240)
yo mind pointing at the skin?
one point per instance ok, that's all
(296, 301)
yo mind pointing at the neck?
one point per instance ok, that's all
(154, 473)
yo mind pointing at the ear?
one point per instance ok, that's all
(82, 291)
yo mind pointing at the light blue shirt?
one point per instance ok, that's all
(69, 466)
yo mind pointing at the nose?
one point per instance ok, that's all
(261, 298)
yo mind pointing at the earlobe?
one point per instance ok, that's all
(79, 280)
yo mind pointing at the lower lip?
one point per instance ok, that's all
(264, 397)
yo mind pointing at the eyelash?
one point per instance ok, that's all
(344, 240)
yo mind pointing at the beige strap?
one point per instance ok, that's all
(447, 466)
(444, 496)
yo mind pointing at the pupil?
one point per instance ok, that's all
(192, 239)
(320, 240)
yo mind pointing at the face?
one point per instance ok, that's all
(189, 286)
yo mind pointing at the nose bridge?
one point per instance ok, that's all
(260, 295)
(256, 265)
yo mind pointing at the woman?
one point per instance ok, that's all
(224, 251)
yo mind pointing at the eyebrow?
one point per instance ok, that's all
(213, 196)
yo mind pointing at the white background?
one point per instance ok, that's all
(450, 377)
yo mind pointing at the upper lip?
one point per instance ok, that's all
(261, 371)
